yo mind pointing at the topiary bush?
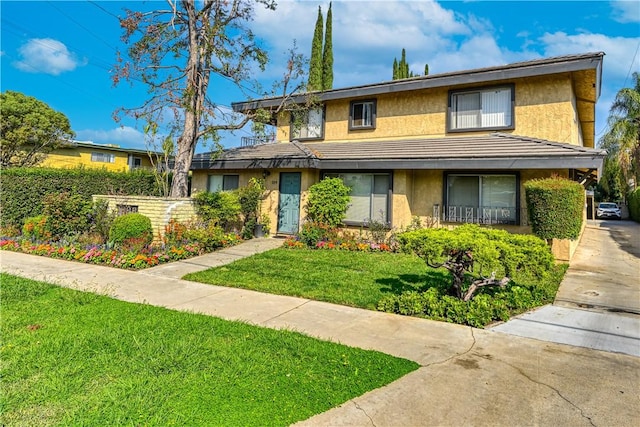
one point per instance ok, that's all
(328, 202)
(555, 207)
(131, 226)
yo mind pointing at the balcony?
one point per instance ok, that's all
(249, 141)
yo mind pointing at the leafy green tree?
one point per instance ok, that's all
(622, 141)
(29, 130)
(327, 54)
(174, 51)
(315, 63)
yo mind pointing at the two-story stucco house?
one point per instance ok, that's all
(455, 146)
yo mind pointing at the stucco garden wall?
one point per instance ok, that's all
(159, 210)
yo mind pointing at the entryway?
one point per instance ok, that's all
(289, 203)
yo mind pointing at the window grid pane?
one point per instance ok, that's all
(483, 109)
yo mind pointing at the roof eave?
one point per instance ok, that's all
(449, 79)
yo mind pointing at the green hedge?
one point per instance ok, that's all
(634, 205)
(555, 207)
(23, 189)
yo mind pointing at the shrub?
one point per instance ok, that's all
(131, 226)
(67, 214)
(328, 202)
(101, 219)
(634, 204)
(35, 228)
(312, 233)
(23, 189)
(221, 208)
(174, 233)
(209, 236)
(478, 256)
(555, 207)
(250, 198)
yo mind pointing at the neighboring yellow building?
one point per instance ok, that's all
(453, 147)
(90, 155)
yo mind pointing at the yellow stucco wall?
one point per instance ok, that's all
(272, 186)
(81, 156)
(545, 108)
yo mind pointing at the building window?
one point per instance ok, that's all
(485, 199)
(370, 196)
(481, 109)
(307, 124)
(362, 115)
(136, 163)
(218, 183)
(103, 157)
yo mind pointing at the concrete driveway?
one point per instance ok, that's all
(598, 303)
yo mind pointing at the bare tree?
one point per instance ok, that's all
(175, 52)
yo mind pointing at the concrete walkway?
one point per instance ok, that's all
(598, 303)
(467, 376)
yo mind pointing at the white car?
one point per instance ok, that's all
(608, 210)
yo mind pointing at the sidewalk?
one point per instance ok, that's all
(467, 376)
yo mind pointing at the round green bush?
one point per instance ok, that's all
(131, 226)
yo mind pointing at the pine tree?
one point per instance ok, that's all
(327, 54)
(315, 64)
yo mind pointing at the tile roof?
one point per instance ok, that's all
(497, 150)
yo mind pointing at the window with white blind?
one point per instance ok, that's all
(103, 157)
(218, 183)
(490, 108)
(308, 124)
(362, 115)
(481, 198)
(370, 196)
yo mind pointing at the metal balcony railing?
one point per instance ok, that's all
(481, 214)
(249, 141)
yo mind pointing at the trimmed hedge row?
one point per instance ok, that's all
(23, 189)
(555, 207)
(634, 205)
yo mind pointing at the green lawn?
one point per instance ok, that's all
(74, 358)
(358, 279)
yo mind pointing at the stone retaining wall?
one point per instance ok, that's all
(158, 209)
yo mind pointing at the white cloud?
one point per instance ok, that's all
(618, 50)
(625, 12)
(47, 56)
(124, 136)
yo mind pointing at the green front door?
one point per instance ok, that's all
(289, 206)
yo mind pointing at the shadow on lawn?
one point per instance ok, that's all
(414, 282)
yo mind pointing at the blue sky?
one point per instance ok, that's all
(61, 52)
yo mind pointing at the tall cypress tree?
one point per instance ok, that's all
(327, 55)
(315, 64)
(395, 68)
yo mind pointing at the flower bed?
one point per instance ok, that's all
(344, 245)
(104, 255)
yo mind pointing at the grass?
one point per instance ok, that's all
(358, 279)
(74, 358)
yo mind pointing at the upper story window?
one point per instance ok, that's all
(218, 183)
(490, 108)
(103, 157)
(307, 124)
(362, 114)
